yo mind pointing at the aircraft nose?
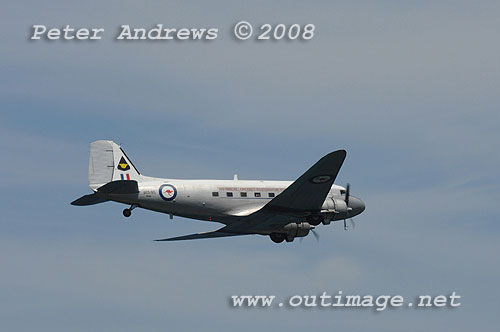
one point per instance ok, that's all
(356, 205)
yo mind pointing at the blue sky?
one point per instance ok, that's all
(410, 90)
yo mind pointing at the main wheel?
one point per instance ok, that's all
(127, 213)
(277, 237)
(315, 220)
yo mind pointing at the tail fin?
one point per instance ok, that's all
(108, 162)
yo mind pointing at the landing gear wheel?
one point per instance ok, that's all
(127, 212)
(277, 237)
(315, 220)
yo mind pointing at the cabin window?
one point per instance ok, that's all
(229, 194)
(271, 194)
(243, 194)
(257, 194)
(215, 194)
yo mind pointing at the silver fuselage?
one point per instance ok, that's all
(222, 201)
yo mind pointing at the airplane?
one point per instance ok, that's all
(282, 210)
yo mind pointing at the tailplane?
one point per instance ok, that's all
(89, 200)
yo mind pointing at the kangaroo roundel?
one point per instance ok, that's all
(167, 192)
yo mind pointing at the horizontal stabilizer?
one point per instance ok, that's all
(88, 200)
(120, 187)
(206, 235)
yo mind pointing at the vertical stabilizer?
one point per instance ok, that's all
(123, 167)
(108, 162)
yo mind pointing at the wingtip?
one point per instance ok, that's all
(340, 152)
(75, 202)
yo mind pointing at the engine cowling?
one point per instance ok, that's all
(333, 207)
(340, 206)
(293, 230)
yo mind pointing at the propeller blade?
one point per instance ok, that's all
(347, 193)
(316, 235)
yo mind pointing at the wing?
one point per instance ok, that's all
(303, 197)
(308, 192)
(207, 235)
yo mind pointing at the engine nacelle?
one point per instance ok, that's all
(340, 206)
(294, 230)
(333, 207)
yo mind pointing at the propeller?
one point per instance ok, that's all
(316, 235)
(346, 199)
(347, 193)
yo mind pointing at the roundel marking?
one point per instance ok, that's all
(167, 192)
(321, 179)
